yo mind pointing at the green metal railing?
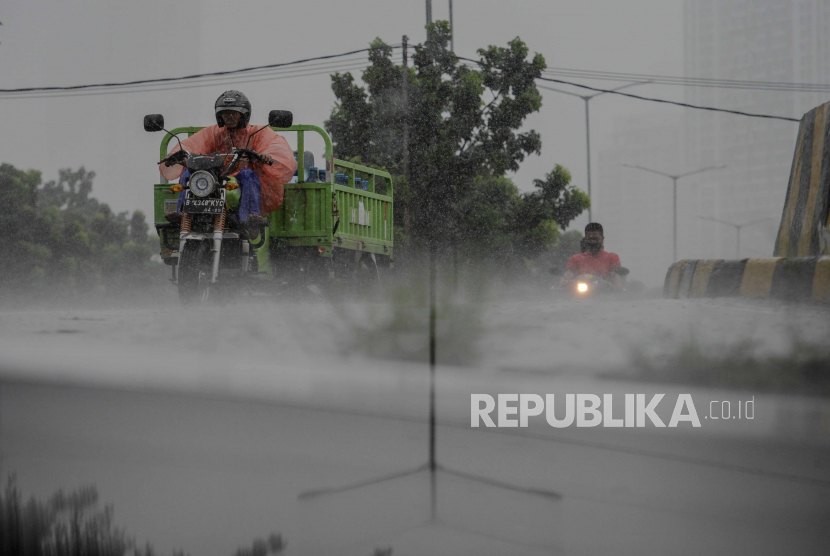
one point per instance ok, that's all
(331, 163)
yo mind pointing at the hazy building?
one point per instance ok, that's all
(753, 40)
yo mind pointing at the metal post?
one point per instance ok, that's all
(674, 179)
(429, 12)
(737, 227)
(588, 126)
(432, 357)
(588, 150)
(405, 88)
(452, 31)
(674, 252)
(432, 464)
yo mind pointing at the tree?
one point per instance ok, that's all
(67, 525)
(554, 203)
(56, 233)
(274, 544)
(18, 219)
(464, 125)
(499, 222)
(138, 227)
(455, 136)
(567, 245)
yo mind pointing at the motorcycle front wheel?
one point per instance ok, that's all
(194, 273)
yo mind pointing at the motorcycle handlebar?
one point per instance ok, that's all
(179, 156)
(173, 159)
(253, 155)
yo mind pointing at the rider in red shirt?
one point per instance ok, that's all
(594, 260)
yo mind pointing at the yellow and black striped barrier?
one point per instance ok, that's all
(796, 279)
(800, 267)
(805, 222)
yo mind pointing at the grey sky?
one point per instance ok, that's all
(68, 43)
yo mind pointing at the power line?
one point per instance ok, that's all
(130, 86)
(691, 81)
(344, 65)
(650, 99)
(185, 77)
(664, 101)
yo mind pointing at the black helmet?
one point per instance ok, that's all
(233, 100)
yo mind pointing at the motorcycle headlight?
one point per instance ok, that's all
(582, 287)
(202, 183)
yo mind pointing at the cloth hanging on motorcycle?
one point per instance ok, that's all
(215, 139)
(250, 193)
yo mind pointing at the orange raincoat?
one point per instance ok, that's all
(219, 139)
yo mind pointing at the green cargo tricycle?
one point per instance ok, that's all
(336, 230)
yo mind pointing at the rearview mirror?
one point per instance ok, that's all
(153, 122)
(280, 118)
(622, 271)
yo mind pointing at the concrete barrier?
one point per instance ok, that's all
(805, 223)
(795, 279)
(800, 268)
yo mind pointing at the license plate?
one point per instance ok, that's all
(203, 206)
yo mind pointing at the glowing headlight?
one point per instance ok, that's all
(202, 183)
(582, 287)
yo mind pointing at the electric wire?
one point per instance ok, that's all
(187, 77)
(286, 74)
(673, 102)
(311, 69)
(690, 81)
(262, 72)
(650, 99)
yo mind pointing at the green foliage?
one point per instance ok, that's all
(393, 327)
(566, 247)
(800, 369)
(66, 525)
(464, 134)
(274, 544)
(56, 234)
(499, 222)
(73, 524)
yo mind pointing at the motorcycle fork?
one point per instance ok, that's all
(218, 232)
(184, 229)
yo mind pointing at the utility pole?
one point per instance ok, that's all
(429, 13)
(405, 88)
(452, 31)
(674, 179)
(737, 229)
(587, 98)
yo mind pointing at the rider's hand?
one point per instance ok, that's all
(173, 159)
(267, 158)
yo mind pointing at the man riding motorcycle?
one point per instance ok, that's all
(594, 259)
(261, 185)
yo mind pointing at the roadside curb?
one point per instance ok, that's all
(792, 279)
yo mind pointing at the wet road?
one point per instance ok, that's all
(205, 445)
